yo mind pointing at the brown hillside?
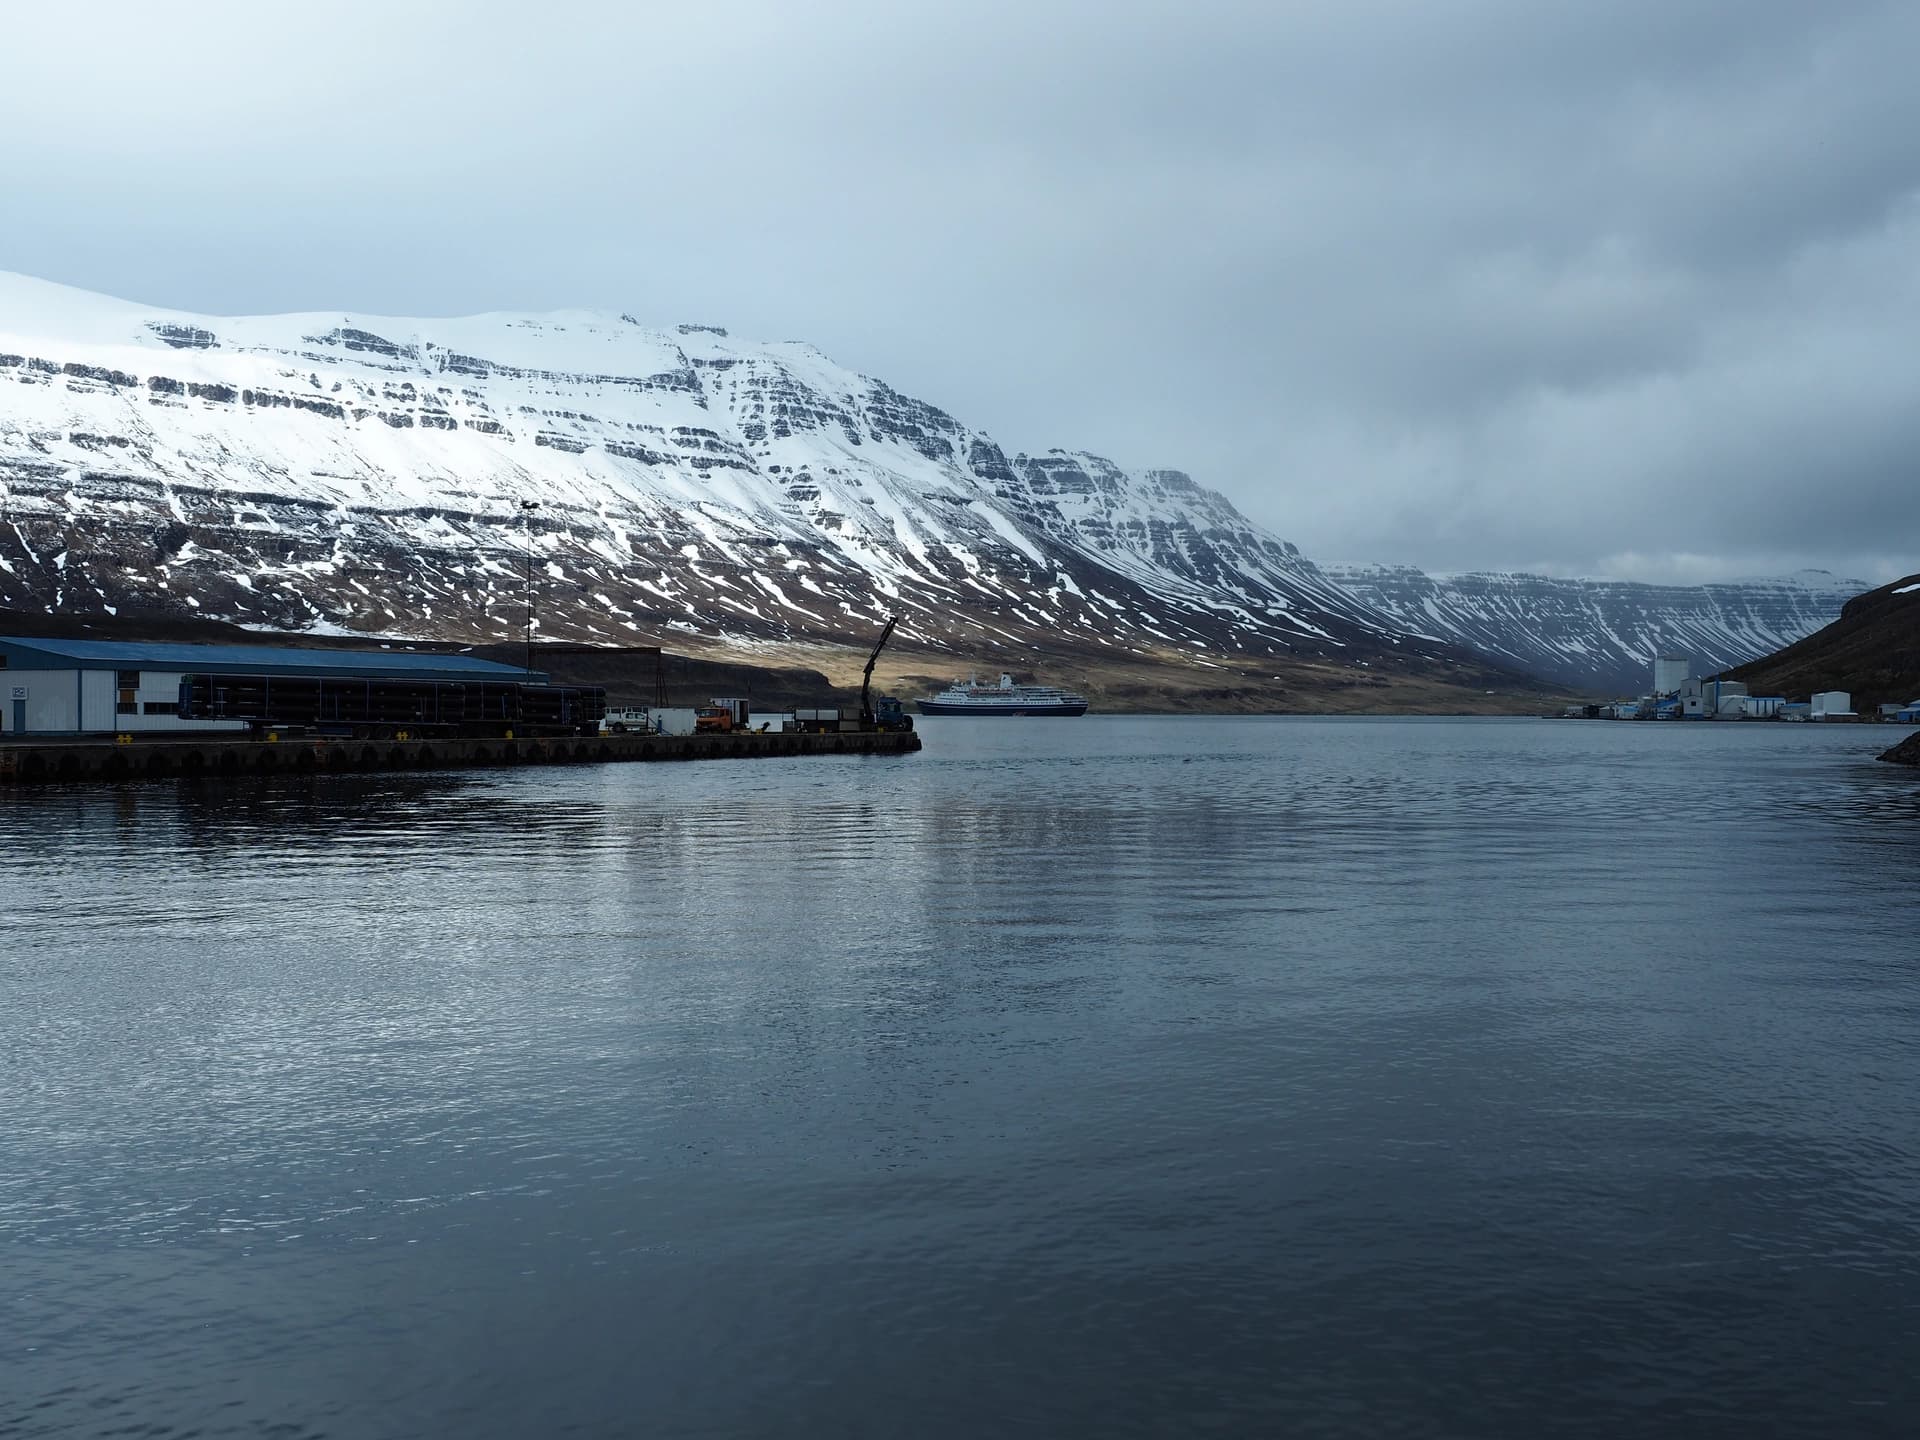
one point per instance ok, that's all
(1872, 651)
(779, 677)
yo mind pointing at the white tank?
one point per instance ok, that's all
(1670, 673)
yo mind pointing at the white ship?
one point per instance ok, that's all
(970, 697)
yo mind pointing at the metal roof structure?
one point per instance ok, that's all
(34, 653)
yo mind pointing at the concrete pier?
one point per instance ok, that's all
(99, 759)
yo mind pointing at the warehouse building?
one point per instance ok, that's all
(106, 687)
(1712, 699)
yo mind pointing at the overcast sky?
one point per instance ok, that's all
(1625, 287)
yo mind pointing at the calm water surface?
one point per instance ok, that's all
(1108, 1077)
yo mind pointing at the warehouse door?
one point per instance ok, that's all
(19, 717)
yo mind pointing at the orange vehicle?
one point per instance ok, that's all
(721, 715)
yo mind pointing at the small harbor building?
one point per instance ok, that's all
(1833, 705)
(107, 687)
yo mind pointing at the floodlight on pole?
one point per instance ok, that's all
(527, 507)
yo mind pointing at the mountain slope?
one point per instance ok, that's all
(1872, 652)
(1600, 636)
(349, 473)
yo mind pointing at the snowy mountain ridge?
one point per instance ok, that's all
(369, 474)
(1599, 635)
(353, 473)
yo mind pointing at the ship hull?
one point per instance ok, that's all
(940, 707)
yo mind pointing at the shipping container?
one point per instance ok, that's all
(675, 720)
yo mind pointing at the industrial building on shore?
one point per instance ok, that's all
(1680, 695)
(109, 687)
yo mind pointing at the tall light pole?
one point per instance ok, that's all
(527, 507)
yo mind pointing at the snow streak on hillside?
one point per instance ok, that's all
(349, 472)
(1601, 635)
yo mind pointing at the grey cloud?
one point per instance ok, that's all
(1478, 284)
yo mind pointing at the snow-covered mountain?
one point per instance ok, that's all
(350, 473)
(346, 472)
(1599, 635)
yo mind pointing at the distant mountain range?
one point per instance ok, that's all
(346, 472)
(1600, 635)
(352, 474)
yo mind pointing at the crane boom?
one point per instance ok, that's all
(867, 721)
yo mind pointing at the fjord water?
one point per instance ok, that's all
(1106, 1077)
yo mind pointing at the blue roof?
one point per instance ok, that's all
(29, 653)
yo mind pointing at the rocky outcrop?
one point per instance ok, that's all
(1907, 752)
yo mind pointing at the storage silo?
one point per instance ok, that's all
(1670, 673)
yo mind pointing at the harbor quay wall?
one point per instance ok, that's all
(104, 760)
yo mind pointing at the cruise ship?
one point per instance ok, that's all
(972, 698)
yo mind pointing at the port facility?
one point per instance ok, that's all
(59, 687)
(76, 709)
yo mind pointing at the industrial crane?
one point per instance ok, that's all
(868, 721)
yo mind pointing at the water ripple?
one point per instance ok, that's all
(1117, 1077)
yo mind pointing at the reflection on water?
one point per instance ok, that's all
(1116, 1076)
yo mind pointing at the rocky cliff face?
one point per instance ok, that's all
(1600, 636)
(348, 473)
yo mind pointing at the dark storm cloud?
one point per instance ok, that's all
(1624, 287)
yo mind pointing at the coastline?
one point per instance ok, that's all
(1907, 752)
